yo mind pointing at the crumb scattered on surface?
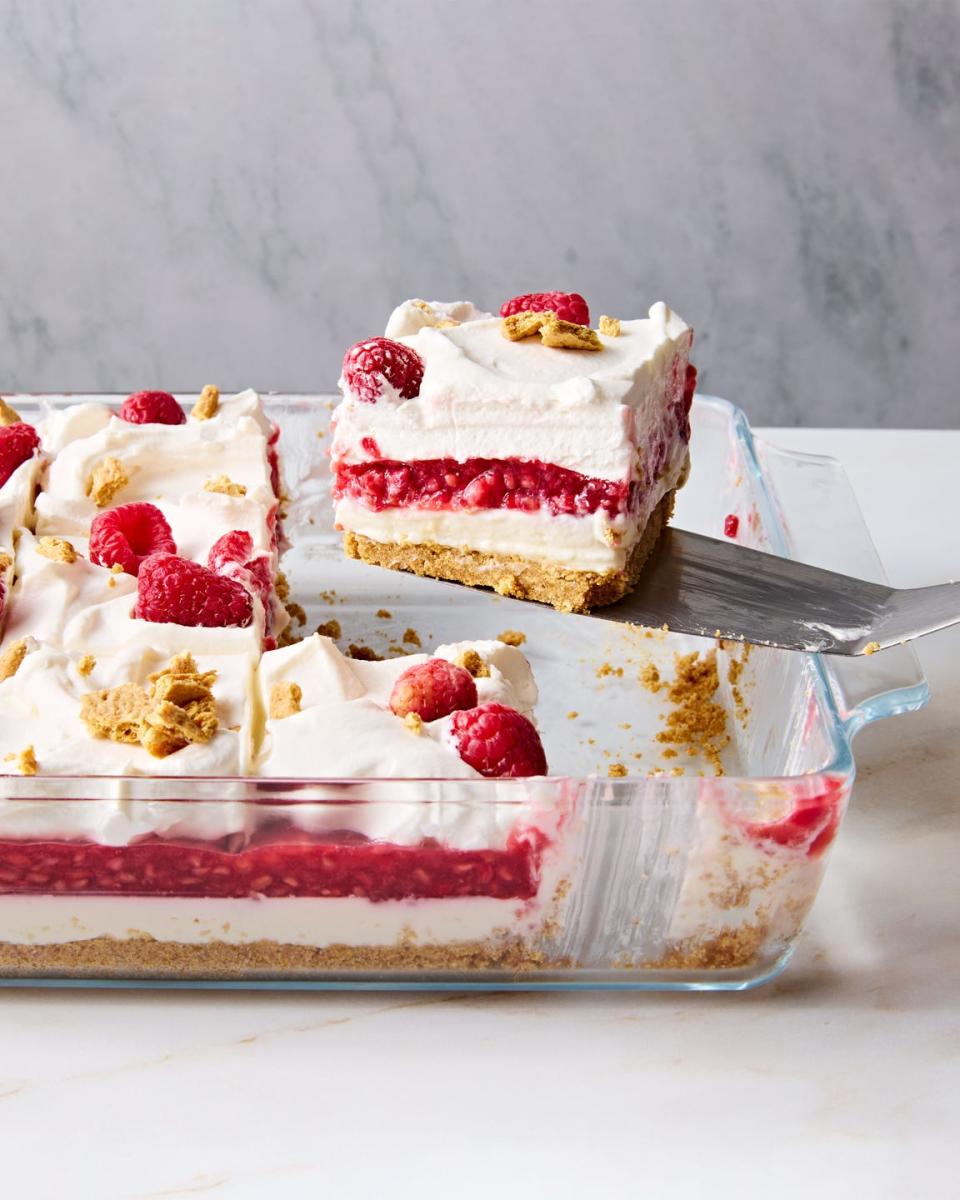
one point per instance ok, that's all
(572, 715)
(208, 404)
(108, 479)
(609, 669)
(297, 612)
(512, 637)
(384, 614)
(225, 486)
(8, 415)
(11, 659)
(27, 761)
(285, 697)
(364, 653)
(871, 647)
(696, 721)
(330, 629)
(57, 549)
(414, 722)
(610, 326)
(669, 753)
(617, 770)
(411, 637)
(650, 678)
(471, 661)
(86, 665)
(282, 586)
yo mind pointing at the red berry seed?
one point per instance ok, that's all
(173, 589)
(128, 534)
(433, 690)
(18, 442)
(367, 364)
(498, 742)
(569, 306)
(152, 408)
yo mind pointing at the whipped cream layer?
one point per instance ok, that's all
(167, 465)
(483, 396)
(40, 707)
(408, 318)
(88, 609)
(16, 499)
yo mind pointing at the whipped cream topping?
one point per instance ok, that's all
(483, 396)
(411, 316)
(16, 499)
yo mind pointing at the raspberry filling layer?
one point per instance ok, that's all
(368, 870)
(511, 483)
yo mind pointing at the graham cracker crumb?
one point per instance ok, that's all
(414, 722)
(871, 647)
(225, 486)
(411, 637)
(107, 480)
(5, 561)
(86, 665)
(384, 614)
(8, 415)
(27, 762)
(572, 715)
(696, 721)
(522, 325)
(616, 770)
(424, 307)
(208, 404)
(329, 629)
(115, 713)
(364, 653)
(512, 637)
(57, 549)
(11, 659)
(281, 586)
(609, 669)
(610, 326)
(297, 613)
(471, 661)
(285, 698)
(650, 678)
(565, 335)
(447, 323)
(288, 637)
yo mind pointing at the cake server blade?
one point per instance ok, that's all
(701, 585)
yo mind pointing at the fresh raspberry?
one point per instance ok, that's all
(175, 589)
(18, 442)
(129, 533)
(152, 408)
(498, 742)
(433, 690)
(367, 364)
(232, 556)
(569, 306)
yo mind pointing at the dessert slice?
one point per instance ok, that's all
(529, 453)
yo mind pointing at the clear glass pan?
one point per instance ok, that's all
(672, 880)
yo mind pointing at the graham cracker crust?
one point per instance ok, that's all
(523, 578)
(146, 958)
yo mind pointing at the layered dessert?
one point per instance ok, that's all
(529, 452)
(139, 652)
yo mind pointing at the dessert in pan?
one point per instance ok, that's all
(528, 452)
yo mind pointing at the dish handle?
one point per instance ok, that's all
(816, 512)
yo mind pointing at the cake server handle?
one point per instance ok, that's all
(704, 586)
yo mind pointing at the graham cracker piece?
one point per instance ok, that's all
(57, 549)
(471, 661)
(414, 722)
(225, 486)
(610, 326)
(86, 665)
(512, 637)
(208, 404)
(11, 659)
(178, 710)
(5, 561)
(522, 325)
(285, 697)
(616, 770)
(330, 629)
(107, 480)
(115, 713)
(27, 761)
(8, 415)
(297, 613)
(411, 637)
(871, 647)
(565, 335)
(281, 586)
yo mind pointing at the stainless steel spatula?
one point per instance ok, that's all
(699, 585)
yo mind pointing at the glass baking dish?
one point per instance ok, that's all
(635, 865)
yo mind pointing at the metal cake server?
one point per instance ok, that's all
(701, 585)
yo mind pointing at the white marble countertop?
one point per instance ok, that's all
(841, 1078)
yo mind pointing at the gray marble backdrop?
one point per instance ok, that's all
(230, 191)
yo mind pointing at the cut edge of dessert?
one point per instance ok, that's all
(528, 453)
